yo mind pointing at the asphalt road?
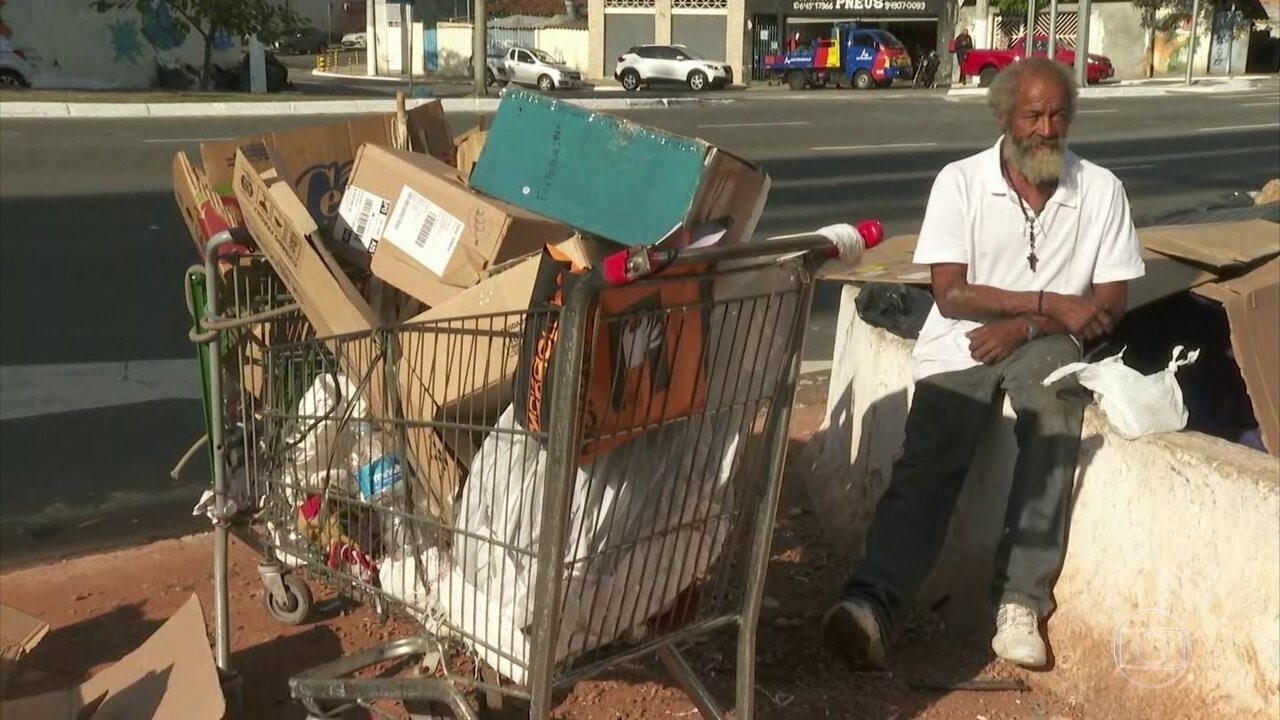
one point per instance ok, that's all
(97, 385)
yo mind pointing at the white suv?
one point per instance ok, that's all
(676, 64)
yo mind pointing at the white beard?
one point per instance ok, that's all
(1039, 165)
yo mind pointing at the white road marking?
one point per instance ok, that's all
(185, 140)
(1249, 95)
(1097, 111)
(34, 390)
(1263, 126)
(873, 147)
(1265, 104)
(1118, 168)
(754, 125)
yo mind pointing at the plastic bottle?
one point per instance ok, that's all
(379, 475)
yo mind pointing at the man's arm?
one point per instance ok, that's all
(1113, 297)
(1087, 318)
(998, 339)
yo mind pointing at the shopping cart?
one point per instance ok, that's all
(509, 481)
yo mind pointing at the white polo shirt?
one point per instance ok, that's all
(1084, 236)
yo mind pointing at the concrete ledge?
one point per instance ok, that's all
(16, 110)
(1184, 525)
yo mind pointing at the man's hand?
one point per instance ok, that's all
(997, 340)
(1082, 317)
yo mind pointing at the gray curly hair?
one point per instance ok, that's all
(1002, 96)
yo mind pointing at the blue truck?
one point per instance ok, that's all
(851, 57)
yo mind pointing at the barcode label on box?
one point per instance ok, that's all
(424, 230)
(361, 218)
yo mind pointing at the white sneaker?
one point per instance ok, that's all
(1018, 638)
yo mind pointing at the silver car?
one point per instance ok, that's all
(670, 64)
(530, 66)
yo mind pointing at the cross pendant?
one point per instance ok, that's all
(1031, 260)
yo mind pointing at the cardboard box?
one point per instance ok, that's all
(891, 261)
(460, 358)
(1221, 247)
(437, 235)
(170, 677)
(1252, 304)
(290, 239)
(201, 208)
(317, 160)
(610, 177)
(19, 634)
(287, 235)
(470, 144)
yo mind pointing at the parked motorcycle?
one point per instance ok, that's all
(927, 74)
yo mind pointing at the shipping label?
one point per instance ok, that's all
(424, 230)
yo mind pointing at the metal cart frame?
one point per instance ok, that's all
(579, 325)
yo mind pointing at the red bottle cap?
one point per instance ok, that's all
(872, 232)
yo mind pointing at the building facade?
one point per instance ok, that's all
(714, 28)
(776, 26)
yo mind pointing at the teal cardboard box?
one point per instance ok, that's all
(612, 178)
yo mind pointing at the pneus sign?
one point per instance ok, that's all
(863, 7)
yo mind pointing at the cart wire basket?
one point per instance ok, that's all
(544, 494)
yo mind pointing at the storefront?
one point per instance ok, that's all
(776, 26)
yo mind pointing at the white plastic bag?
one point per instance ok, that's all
(1135, 404)
(321, 441)
(646, 521)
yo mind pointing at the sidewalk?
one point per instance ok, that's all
(1155, 87)
(21, 109)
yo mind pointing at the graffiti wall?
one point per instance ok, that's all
(1222, 46)
(102, 43)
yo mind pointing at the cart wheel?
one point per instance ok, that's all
(863, 80)
(798, 80)
(297, 604)
(987, 76)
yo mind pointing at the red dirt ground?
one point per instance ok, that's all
(103, 606)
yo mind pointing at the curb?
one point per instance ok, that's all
(353, 76)
(441, 81)
(20, 110)
(1155, 90)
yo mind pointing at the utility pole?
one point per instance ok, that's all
(1031, 29)
(1053, 29)
(406, 43)
(1191, 48)
(479, 49)
(1082, 45)
(370, 40)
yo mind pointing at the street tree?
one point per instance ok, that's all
(265, 19)
(1162, 16)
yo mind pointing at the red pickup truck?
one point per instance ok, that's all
(986, 64)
